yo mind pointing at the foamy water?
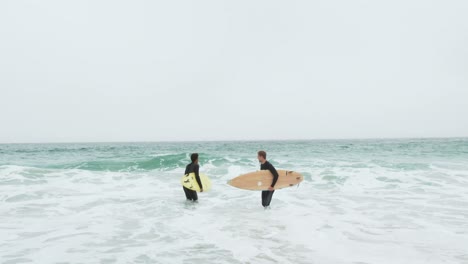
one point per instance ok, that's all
(378, 201)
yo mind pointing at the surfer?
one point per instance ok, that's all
(193, 167)
(265, 165)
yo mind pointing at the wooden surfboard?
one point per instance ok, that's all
(261, 180)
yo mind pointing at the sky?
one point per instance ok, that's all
(91, 71)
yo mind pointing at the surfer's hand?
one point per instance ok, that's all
(201, 190)
(271, 188)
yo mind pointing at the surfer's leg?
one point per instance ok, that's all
(188, 193)
(194, 196)
(264, 198)
(269, 195)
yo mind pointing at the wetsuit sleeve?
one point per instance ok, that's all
(275, 174)
(196, 169)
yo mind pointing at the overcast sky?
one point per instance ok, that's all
(214, 70)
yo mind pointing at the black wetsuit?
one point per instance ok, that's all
(267, 195)
(190, 194)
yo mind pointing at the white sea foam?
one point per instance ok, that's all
(339, 216)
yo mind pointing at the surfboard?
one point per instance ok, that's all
(261, 180)
(189, 182)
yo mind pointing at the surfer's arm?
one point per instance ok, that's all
(196, 170)
(275, 175)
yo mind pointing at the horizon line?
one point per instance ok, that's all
(232, 140)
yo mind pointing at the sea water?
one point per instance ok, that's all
(362, 201)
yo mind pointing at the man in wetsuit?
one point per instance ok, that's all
(193, 167)
(265, 165)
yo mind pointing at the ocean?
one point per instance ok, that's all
(362, 201)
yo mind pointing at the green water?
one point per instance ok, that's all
(362, 201)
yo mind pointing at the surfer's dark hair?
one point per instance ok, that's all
(262, 154)
(194, 157)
